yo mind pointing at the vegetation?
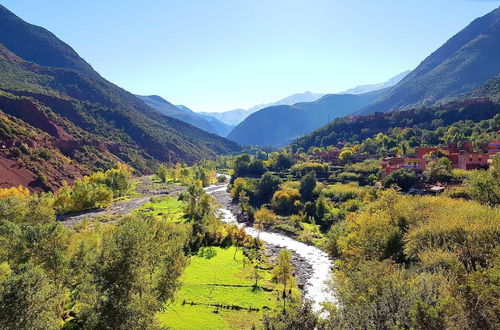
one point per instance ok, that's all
(218, 292)
(389, 256)
(95, 191)
(427, 126)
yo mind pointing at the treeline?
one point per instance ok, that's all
(202, 174)
(402, 131)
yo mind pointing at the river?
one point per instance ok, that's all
(316, 286)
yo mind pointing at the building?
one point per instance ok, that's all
(461, 157)
(473, 161)
(494, 147)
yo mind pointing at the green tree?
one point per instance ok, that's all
(438, 170)
(307, 185)
(283, 272)
(162, 173)
(267, 186)
(134, 279)
(28, 300)
(403, 178)
(484, 186)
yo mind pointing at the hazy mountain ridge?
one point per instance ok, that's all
(185, 114)
(234, 117)
(279, 125)
(373, 87)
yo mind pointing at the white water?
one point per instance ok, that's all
(316, 288)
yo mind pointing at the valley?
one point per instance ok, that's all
(373, 208)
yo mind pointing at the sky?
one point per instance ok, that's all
(219, 55)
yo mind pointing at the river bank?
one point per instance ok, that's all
(312, 266)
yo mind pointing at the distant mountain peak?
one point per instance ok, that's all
(373, 87)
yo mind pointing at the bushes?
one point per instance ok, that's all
(403, 178)
(302, 169)
(265, 217)
(286, 201)
(19, 191)
(343, 192)
(417, 262)
(96, 191)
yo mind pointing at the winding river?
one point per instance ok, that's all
(316, 288)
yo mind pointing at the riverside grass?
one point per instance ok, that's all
(170, 208)
(198, 286)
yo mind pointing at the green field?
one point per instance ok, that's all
(170, 208)
(198, 286)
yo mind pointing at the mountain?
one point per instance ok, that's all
(206, 123)
(234, 117)
(423, 120)
(463, 63)
(221, 128)
(279, 125)
(95, 123)
(231, 117)
(373, 87)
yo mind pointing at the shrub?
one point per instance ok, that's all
(265, 217)
(403, 178)
(284, 201)
(343, 192)
(302, 169)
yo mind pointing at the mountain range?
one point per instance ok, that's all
(204, 122)
(374, 87)
(234, 117)
(94, 123)
(465, 62)
(281, 124)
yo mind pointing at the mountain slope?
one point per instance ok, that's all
(279, 125)
(209, 124)
(482, 103)
(463, 63)
(35, 64)
(220, 128)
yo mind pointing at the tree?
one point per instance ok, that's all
(267, 186)
(265, 216)
(484, 186)
(346, 155)
(301, 318)
(403, 178)
(285, 200)
(134, 279)
(307, 185)
(438, 170)
(28, 300)
(283, 272)
(162, 173)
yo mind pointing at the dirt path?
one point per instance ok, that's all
(145, 187)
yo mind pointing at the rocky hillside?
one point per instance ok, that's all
(100, 118)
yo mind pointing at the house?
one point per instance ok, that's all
(473, 161)
(461, 157)
(494, 146)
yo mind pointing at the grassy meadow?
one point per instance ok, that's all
(221, 279)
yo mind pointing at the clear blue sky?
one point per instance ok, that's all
(216, 55)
